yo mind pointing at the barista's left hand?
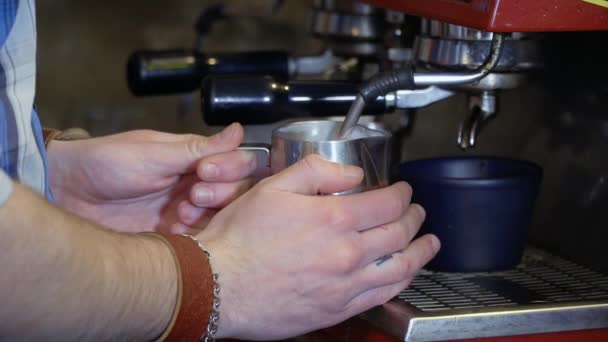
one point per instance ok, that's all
(145, 180)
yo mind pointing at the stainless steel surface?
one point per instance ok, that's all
(346, 26)
(394, 17)
(445, 46)
(517, 55)
(399, 55)
(482, 107)
(347, 6)
(348, 49)
(398, 50)
(435, 28)
(545, 293)
(384, 123)
(417, 98)
(366, 148)
(494, 81)
(312, 65)
(261, 150)
(453, 78)
(352, 118)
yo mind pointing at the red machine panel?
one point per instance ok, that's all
(509, 15)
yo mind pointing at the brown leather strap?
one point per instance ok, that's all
(49, 134)
(197, 290)
(178, 297)
(75, 133)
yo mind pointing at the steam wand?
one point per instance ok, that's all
(406, 78)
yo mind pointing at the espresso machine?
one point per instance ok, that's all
(502, 77)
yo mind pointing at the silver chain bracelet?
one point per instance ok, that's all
(214, 318)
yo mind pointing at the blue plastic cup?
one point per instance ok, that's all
(480, 208)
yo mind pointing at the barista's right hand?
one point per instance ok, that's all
(290, 261)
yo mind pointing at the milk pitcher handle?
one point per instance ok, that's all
(261, 150)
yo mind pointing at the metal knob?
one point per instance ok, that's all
(482, 108)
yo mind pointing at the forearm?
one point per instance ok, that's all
(64, 278)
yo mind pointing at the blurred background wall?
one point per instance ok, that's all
(83, 46)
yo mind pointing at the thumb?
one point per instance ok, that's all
(313, 175)
(182, 155)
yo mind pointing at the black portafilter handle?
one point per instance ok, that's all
(252, 100)
(151, 73)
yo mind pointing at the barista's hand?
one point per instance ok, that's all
(144, 180)
(290, 261)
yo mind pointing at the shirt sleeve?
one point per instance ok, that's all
(6, 187)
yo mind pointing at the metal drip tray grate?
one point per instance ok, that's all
(544, 293)
(540, 279)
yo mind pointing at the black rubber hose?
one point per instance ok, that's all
(208, 17)
(378, 85)
(205, 21)
(387, 82)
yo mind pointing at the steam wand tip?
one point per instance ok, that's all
(352, 117)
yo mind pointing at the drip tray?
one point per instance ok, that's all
(544, 293)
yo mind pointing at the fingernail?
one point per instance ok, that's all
(353, 172)
(178, 228)
(210, 171)
(189, 214)
(436, 243)
(420, 209)
(228, 132)
(250, 159)
(203, 195)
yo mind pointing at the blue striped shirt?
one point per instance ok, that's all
(22, 152)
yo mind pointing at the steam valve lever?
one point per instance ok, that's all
(263, 99)
(253, 100)
(181, 71)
